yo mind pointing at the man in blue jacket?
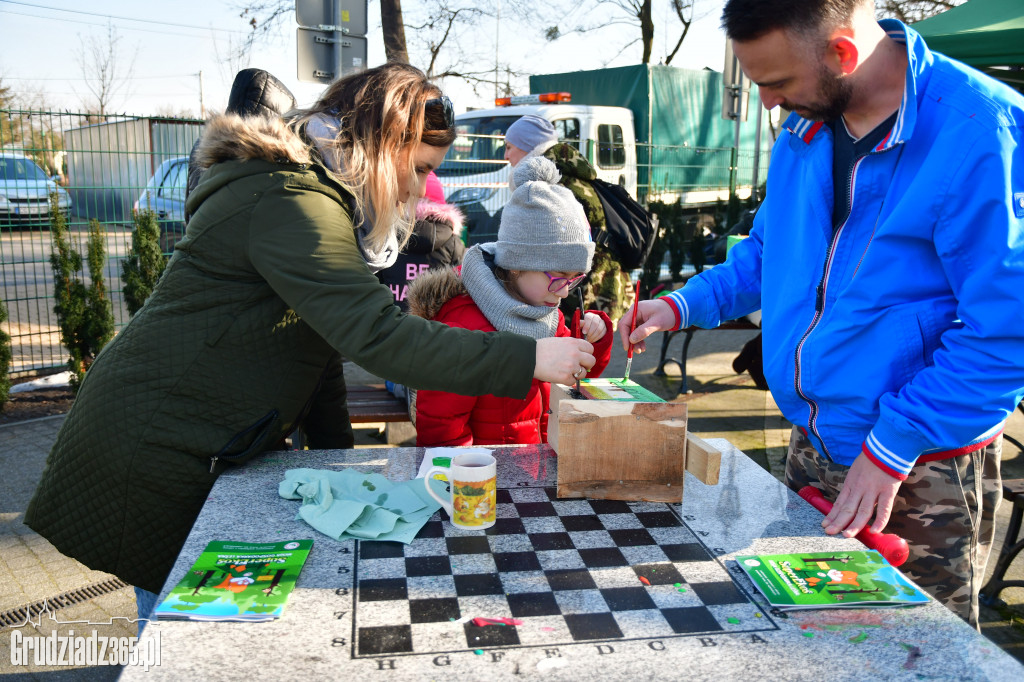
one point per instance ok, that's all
(888, 261)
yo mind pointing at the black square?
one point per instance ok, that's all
(592, 626)
(478, 583)
(382, 589)
(570, 579)
(516, 561)
(552, 493)
(627, 598)
(434, 610)
(532, 509)
(665, 519)
(490, 635)
(603, 557)
(528, 604)
(503, 496)
(416, 566)
(431, 529)
(658, 574)
(548, 541)
(369, 549)
(512, 526)
(610, 507)
(716, 593)
(631, 537)
(586, 522)
(691, 619)
(689, 551)
(468, 544)
(386, 639)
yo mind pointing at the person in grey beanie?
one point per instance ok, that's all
(607, 287)
(528, 134)
(544, 250)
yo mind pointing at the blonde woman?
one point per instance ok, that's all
(274, 275)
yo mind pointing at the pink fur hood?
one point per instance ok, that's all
(440, 213)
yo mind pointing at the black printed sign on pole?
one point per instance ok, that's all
(331, 39)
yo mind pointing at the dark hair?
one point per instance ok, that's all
(745, 20)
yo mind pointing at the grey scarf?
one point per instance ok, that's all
(505, 312)
(322, 130)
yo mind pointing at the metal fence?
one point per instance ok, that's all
(101, 167)
(104, 168)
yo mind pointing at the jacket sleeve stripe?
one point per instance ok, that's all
(882, 455)
(680, 308)
(881, 465)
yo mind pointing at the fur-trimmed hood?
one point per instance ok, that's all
(430, 291)
(229, 137)
(441, 213)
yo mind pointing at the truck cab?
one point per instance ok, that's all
(475, 174)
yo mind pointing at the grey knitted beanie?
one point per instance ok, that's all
(529, 131)
(543, 226)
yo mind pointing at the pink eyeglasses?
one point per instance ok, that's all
(557, 283)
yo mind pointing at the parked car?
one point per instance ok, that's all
(165, 196)
(25, 191)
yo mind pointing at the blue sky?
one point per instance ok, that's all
(173, 41)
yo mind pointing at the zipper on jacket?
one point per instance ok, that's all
(213, 462)
(819, 311)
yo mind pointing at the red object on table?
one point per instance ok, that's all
(892, 547)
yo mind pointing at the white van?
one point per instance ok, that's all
(475, 174)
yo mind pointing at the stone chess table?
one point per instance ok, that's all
(558, 588)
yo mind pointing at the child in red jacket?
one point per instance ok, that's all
(515, 284)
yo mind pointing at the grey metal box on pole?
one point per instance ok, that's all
(318, 52)
(331, 38)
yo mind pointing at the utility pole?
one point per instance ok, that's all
(497, 33)
(202, 102)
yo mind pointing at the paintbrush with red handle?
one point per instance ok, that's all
(632, 327)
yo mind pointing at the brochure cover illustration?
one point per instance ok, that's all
(817, 580)
(237, 581)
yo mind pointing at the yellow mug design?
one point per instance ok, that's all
(473, 490)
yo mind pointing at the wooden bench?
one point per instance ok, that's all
(1013, 492)
(373, 403)
(666, 339)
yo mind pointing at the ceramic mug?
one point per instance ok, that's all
(472, 481)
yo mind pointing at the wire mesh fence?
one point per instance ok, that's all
(101, 168)
(105, 168)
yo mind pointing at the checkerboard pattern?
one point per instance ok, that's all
(569, 569)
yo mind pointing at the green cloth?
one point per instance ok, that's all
(351, 505)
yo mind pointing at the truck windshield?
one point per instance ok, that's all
(479, 146)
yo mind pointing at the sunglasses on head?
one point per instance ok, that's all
(446, 109)
(557, 283)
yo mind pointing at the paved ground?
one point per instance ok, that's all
(723, 404)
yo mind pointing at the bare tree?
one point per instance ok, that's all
(104, 74)
(909, 11)
(266, 19)
(596, 15)
(394, 31)
(446, 33)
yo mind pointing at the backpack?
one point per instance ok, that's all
(629, 233)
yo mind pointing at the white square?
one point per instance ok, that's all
(580, 601)
(560, 558)
(430, 587)
(376, 613)
(467, 564)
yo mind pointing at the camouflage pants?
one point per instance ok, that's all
(945, 510)
(607, 288)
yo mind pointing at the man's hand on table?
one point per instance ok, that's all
(867, 490)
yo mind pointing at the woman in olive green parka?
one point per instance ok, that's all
(274, 274)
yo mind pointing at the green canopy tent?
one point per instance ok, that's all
(987, 34)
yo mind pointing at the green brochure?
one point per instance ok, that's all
(237, 581)
(819, 580)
